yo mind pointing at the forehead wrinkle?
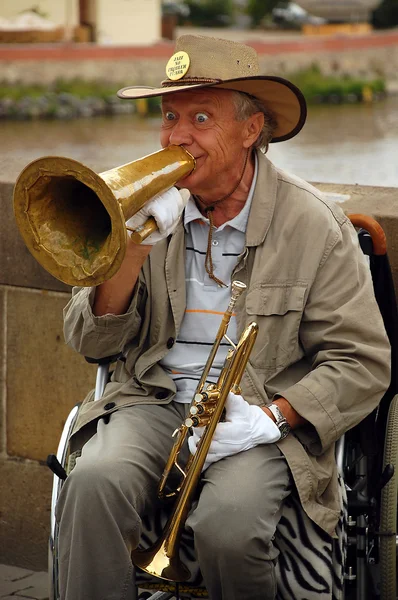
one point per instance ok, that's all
(197, 97)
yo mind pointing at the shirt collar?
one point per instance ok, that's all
(239, 222)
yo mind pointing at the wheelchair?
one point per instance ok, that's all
(360, 564)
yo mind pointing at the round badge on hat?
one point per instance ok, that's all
(177, 66)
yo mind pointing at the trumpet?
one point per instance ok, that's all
(162, 559)
(73, 220)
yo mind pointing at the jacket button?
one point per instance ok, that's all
(109, 405)
(170, 343)
(161, 395)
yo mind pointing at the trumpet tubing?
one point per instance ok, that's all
(73, 219)
(162, 559)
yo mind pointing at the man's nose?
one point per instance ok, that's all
(181, 134)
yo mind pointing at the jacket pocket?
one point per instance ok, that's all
(277, 310)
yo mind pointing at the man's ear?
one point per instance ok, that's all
(254, 125)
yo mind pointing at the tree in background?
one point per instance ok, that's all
(386, 15)
(258, 9)
(210, 13)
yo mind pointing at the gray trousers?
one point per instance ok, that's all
(114, 483)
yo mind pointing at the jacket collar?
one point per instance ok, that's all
(262, 206)
(264, 200)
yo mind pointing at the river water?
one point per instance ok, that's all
(339, 144)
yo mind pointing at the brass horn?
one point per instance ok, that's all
(162, 559)
(73, 220)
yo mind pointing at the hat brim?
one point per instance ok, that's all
(279, 95)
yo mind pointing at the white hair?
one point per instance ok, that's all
(247, 105)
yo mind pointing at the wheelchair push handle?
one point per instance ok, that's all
(374, 229)
(107, 360)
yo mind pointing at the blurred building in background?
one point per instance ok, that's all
(118, 22)
(341, 11)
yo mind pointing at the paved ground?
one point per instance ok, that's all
(22, 583)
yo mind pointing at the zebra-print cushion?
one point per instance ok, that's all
(310, 564)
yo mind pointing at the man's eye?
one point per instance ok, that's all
(169, 116)
(201, 117)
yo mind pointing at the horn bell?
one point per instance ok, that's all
(160, 562)
(73, 220)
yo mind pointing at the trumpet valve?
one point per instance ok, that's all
(200, 416)
(202, 397)
(211, 394)
(197, 409)
(195, 421)
(191, 422)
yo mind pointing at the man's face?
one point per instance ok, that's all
(204, 123)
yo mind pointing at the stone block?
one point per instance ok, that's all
(45, 378)
(9, 573)
(2, 371)
(25, 500)
(34, 587)
(17, 265)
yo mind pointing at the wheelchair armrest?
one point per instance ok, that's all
(107, 360)
(103, 371)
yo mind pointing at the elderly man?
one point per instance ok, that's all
(320, 363)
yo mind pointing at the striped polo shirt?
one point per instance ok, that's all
(206, 301)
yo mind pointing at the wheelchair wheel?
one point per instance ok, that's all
(62, 457)
(388, 509)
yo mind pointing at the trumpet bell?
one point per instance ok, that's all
(69, 220)
(160, 562)
(73, 220)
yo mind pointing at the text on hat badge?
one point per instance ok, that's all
(177, 65)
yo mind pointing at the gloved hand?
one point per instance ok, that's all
(166, 208)
(245, 426)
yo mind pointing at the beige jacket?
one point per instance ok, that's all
(321, 341)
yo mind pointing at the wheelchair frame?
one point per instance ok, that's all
(371, 523)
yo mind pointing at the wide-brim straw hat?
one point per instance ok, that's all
(201, 61)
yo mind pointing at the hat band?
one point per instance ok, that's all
(188, 81)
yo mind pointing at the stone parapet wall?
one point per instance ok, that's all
(41, 379)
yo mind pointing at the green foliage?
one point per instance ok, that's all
(75, 87)
(317, 87)
(70, 99)
(258, 9)
(154, 106)
(210, 13)
(84, 89)
(16, 92)
(386, 15)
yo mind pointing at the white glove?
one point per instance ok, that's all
(166, 208)
(245, 426)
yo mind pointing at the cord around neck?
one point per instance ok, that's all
(209, 213)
